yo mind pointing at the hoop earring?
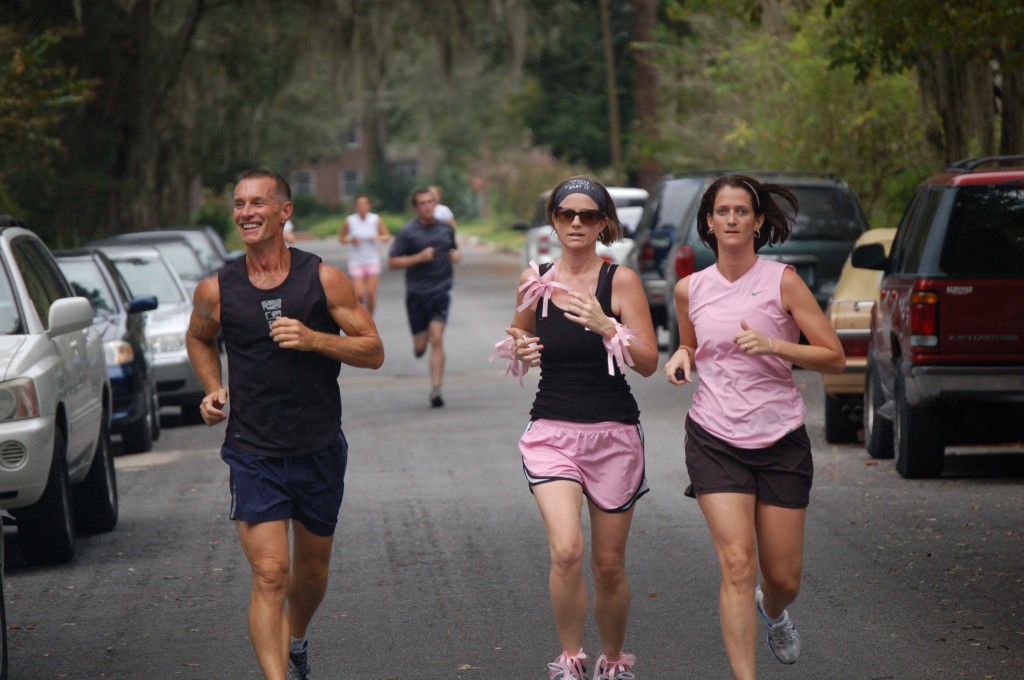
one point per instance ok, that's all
(757, 234)
(711, 230)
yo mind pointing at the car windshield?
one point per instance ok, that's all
(10, 320)
(207, 254)
(182, 258)
(826, 213)
(87, 280)
(986, 233)
(150, 276)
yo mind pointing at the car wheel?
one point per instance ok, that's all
(839, 426)
(920, 448)
(155, 423)
(190, 414)
(96, 497)
(878, 435)
(138, 438)
(46, 529)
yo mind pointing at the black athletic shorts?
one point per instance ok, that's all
(423, 308)
(779, 474)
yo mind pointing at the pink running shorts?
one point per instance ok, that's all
(606, 459)
(361, 270)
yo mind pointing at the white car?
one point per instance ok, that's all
(56, 469)
(543, 246)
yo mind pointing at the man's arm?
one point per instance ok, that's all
(406, 261)
(359, 346)
(201, 341)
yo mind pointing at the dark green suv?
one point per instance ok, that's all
(668, 247)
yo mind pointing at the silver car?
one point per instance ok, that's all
(148, 273)
(56, 469)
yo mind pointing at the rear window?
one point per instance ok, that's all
(985, 236)
(826, 214)
(671, 205)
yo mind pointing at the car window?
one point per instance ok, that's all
(826, 213)
(182, 258)
(10, 319)
(985, 234)
(150, 276)
(43, 280)
(207, 254)
(670, 206)
(917, 225)
(87, 280)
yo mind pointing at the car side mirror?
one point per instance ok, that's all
(69, 314)
(869, 256)
(143, 303)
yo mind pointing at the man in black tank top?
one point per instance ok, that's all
(280, 311)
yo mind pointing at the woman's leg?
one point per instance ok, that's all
(359, 286)
(730, 518)
(780, 544)
(561, 503)
(371, 293)
(609, 532)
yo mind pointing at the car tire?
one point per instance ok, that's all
(46, 529)
(878, 431)
(96, 502)
(839, 427)
(920, 445)
(138, 437)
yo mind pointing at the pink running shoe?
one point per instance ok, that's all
(567, 667)
(615, 670)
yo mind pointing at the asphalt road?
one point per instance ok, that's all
(440, 566)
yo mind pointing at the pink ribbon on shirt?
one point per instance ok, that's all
(540, 287)
(506, 349)
(617, 347)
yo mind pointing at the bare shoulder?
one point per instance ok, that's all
(207, 295)
(682, 289)
(335, 282)
(624, 276)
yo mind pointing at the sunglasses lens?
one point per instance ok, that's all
(588, 218)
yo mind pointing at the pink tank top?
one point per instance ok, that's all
(748, 401)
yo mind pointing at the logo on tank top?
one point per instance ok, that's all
(271, 310)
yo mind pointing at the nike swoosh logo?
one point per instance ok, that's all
(756, 292)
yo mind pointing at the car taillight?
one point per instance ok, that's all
(855, 346)
(646, 259)
(684, 261)
(924, 318)
(544, 245)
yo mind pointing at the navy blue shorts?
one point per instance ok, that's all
(307, 488)
(423, 308)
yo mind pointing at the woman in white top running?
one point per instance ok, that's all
(362, 231)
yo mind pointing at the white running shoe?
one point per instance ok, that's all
(783, 639)
(567, 667)
(617, 670)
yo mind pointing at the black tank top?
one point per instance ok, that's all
(283, 402)
(574, 382)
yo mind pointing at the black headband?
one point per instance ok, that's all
(583, 186)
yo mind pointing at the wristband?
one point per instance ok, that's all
(617, 347)
(506, 349)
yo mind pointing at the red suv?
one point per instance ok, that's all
(947, 335)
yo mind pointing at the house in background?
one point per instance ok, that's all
(335, 181)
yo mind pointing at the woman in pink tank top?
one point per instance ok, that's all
(747, 450)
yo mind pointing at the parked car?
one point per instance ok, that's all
(668, 248)
(56, 471)
(947, 335)
(118, 316)
(148, 273)
(204, 240)
(849, 311)
(543, 246)
(177, 249)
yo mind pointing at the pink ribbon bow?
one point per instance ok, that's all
(617, 347)
(506, 349)
(540, 287)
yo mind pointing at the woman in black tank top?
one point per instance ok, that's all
(583, 322)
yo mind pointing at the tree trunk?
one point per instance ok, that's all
(645, 92)
(611, 84)
(1012, 110)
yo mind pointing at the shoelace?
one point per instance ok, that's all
(568, 667)
(619, 670)
(783, 635)
(301, 663)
